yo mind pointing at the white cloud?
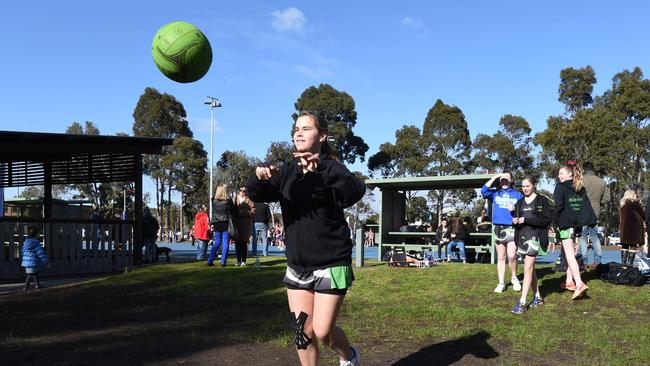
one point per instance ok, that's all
(411, 22)
(318, 72)
(289, 20)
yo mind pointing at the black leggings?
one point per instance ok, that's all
(241, 249)
(30, 277)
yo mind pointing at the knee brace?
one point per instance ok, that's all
(300, 338)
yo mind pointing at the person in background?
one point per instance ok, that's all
(485, 226)
(261, 226)
(279, 236)
(223, 210)
(482, 216)
(443, 236)
(503, 200)
(150, 229)
(458, 237)
(201, 233)
(632, 217)
(572, 212)
(599, 196)
(532, 219)
(33, 256)
(245, 212)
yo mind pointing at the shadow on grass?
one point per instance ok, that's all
(144, 318)
(449, 352)
(273, 262)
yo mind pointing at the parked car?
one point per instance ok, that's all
(614, 238)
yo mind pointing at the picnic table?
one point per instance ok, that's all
(400, 242)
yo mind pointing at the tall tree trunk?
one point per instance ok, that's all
(169, 206)
(158, 201)
(182, 224)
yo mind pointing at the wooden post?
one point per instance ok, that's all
(137, 228)
(47, 209)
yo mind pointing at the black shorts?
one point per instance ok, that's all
(504, 234)
(334, 281)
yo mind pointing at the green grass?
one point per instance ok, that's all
(172, 310)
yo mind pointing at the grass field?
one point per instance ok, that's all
(187, 313)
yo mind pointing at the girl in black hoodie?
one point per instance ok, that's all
(313, 190)
(572, 212)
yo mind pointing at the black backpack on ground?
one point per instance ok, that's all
(619, 274)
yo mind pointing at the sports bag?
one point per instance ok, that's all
(619, 274)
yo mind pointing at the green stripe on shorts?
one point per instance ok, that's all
(566, 233)
(341, 276)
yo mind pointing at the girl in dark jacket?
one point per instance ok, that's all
(572, 212)
(313, 190)
(532, 217)
(223, 209)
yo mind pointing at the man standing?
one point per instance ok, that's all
(261, 226)
(598, 194)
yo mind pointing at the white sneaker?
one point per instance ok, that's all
(243, 264)
(500, 287)
(354, 361)
(516, 285)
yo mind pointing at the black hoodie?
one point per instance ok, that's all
(316, 233)
(572, 209)
(541, 220)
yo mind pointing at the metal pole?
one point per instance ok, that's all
(359, 252)
(211, 157)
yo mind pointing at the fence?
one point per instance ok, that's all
(90, 246)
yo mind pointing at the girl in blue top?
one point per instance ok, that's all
(33, 256)
(503, 202)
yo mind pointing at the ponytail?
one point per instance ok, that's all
(576, 172)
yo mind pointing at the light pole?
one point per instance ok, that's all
(213, 103)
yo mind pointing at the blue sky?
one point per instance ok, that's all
(72, 61)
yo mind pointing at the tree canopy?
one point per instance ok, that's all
(338, 108)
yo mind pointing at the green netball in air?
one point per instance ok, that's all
(181, 52)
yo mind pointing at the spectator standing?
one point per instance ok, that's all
(572, 212)
(245, 212)
(150, 229)
(201, 233)
(279, 236)
(503, 200)
(599, 196)
(532, 219)
(34, 256)
(260, 227)
(632, 218)
(223, 210)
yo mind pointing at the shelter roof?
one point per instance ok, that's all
(72, 159)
